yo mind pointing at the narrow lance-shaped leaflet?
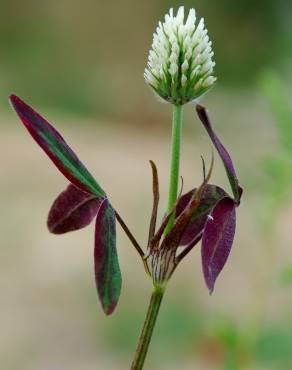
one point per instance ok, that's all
(219, 230)
(228, 164)
(56, 148)
(107, 271)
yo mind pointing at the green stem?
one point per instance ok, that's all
(147, 330)
(157, 295)
(175, 160)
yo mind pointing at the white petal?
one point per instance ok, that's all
(191, 20)
(181, 14)
(185, 66)
(209, 81)
(183, 80)
(173, 69)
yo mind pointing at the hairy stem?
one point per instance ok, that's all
(146, 334)
(175, 160)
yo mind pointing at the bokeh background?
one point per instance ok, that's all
(81, 64)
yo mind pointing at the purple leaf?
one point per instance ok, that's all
(217, 240)
(210, 197)
(230, 170)
(174, 236)
(56, 148)
(107, 271)
(72, 210)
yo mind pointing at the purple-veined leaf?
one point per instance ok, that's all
(107, 271)
(56, 148)
(228, 164)
(210, 197)
(217, 240)
(72, 210)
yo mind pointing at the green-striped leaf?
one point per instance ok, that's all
(56, 148)
(107, 271)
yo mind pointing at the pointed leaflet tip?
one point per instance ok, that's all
(230, 170)
(217, 240)
(56, 148)
(72, 210)
(106, 265)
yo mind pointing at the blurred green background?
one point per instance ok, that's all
(80, 63)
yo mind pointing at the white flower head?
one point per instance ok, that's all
(180, 65)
